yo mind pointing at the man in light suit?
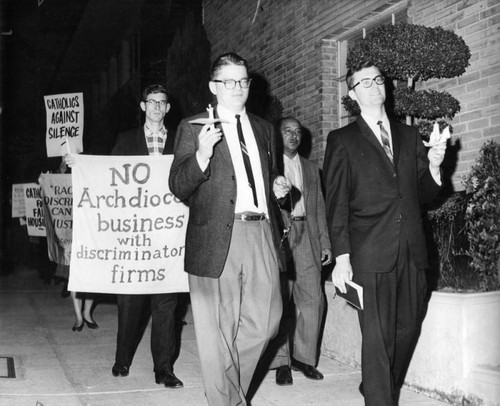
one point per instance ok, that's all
(377, 174)
(310, 248)
(150, 139)
(227, 174)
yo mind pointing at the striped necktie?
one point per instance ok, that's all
(385, 141)
(246, 160)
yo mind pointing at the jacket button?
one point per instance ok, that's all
(231, 201)
(394, 175)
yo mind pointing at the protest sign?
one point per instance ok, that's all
(64, 124)
(34, 210)
(128, 228)
(57, 200)
(18, 207)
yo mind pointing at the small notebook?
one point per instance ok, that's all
(354, 294)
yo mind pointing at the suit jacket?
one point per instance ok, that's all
(373, 206)
(133, 142)
(211, 195)
(315, 209)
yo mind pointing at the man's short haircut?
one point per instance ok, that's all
(229, 58)
(153, 89)
(353, 69)
(280, 122)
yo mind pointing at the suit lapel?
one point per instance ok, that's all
(306, 177)
(222, 146)
(262, 146)
(396, 143)
(142, 146)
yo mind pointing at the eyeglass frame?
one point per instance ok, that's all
(249, 80)
(371, 82)
(157, 103)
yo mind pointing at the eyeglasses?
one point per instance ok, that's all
(230, 84)
(156, 103)
(368, 82)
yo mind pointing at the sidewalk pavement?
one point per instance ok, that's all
(55, 366)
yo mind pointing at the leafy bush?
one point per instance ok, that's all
(466, 229)
(429, 104)
(482, 216)
(414, 51)
(410, 53)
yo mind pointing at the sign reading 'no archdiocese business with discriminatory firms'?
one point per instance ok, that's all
(64, 124)
(128, 228)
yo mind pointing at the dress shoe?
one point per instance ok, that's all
(308, 370)
(77, 328)
(119, 370)
(168, 379)
(90, 324)
(284, 376)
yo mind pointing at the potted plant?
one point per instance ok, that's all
(457, 356)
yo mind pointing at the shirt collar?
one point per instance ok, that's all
(372, 122)
(228, 115)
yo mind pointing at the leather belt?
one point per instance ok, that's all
(299, 218)
(250, 216)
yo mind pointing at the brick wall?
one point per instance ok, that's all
(293, 44)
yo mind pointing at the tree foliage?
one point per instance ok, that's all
(410, 53)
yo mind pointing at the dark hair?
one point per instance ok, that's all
(353, 69)
(229, 58)
(152, 89)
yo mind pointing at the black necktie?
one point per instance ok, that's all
(246, 160)
(385, 141)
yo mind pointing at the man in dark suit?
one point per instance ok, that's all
(150, 139)
(227, 174)
(310, 248)
(377, 174)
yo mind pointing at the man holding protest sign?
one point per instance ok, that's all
(151, 139)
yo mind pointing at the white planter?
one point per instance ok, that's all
(458, 354)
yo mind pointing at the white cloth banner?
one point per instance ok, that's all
(128, 228)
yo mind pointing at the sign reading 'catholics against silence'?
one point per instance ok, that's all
(128, 228)
(64, 124)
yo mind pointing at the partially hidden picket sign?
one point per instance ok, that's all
(64, 124)
(57, 198)
(128, 228)
(35, 219)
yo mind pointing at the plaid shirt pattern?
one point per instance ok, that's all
(155, 140)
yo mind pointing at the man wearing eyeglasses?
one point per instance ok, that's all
(377, 173)
(150, 139)
(226, 172)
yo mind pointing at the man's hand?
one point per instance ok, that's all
(326, 256)
(342, 272)
(281, 187)
(69, 159)
(436, 155)
(209, 136)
